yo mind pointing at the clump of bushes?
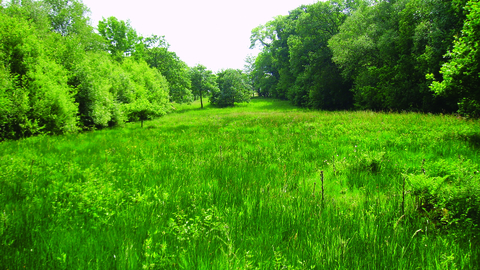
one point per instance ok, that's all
(57, 80)
(35, 96)
(111, 93)
(449, 192)
(232, 88)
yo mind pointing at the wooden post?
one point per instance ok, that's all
(321, 173)
(403, 197)
(31, 167)
(423, 164)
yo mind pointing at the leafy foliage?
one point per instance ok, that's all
(449, 192)
(151, 91)
(111, 93)
(169, 64)
(388, 56)
(58, 76)
(318, 83)
(120, 36)
(296, 63)
(35, 94)
(203, 82)
(461, 74)
(97, 98)
(68, 17)
(377, 55)
(233, 88)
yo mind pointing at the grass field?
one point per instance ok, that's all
(241, 188)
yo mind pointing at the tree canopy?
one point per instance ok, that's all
(233, 87)
(158, 56)
(203, 82)
(296, 62)
(121, 38)
(461, 74)
(57, 75)
(376, 55)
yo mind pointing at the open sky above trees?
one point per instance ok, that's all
(198, 31)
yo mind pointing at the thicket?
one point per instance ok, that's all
(233, 87)
(397, 55)
(58, 75)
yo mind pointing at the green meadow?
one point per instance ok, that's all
(262, 185)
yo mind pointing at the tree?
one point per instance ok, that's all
(203, 82)
(233, 88)
(388, 47)
(100, 104)
(272, 76)
(317, 81)
(120, 36)
(169, 64)
(249, 69)
(363, 48)
(34, 93)
(296, 62)
(55, 76)
(151, 91)
(110, 93)
(461, 74)
(264, 76)
(68, 17)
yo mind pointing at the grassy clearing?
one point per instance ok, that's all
(240, 188)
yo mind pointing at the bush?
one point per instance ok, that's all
(233, 88)
(35, 96)
(97, 96)
(151, 91)
(110, 93)
(461, 74)
(51, 99)
(449, 191)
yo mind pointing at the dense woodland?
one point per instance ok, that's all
(59, 74)
(396, 55)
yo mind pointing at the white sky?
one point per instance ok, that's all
(213, 33)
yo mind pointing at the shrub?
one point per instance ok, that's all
(96, 96)
(450, 191)
(34, 92)
(151, 91)
(233, 88)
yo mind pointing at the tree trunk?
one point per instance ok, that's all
(201, 101)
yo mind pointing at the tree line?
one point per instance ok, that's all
(59, 74)
(390, 55)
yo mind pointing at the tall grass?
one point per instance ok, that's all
(240, 188)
